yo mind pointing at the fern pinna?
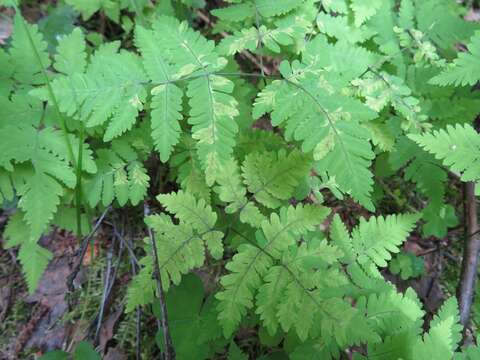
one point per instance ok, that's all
(360, 93)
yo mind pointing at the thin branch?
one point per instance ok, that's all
(169, 353)
(105, 291)
(128, 245)
(471, 248)
(138, 317)
(83, 250)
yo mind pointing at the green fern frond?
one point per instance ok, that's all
(71, 57)
(272, 177)
(111, 90)
(34, 258)
(120, 176)
(328, 125)
(464, 69)
(232, 191)
(364, 9)
(375, 239)
(181, 247)
(442, 339)
(253, 261)
(28, 64)
(458, 147)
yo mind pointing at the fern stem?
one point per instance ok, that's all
(59, 115)
(78, 187)
(260, 38)
(49, 87)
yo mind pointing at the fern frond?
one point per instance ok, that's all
(71, 57)
(272, 177)
(120, 175)
(269, 8)
(196, 213)
(442, 339)
(253, 261)
(328, 125)
(375, 239)
(34, 258)
(391, 312)
(212, 108)
(28, 64)
(111, 90)
(464, 69)
(231, 190)
(458, 147)
(364, 9)
(181, 247)
(167, 98)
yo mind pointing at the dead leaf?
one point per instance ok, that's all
(108, 327)
(115, 353)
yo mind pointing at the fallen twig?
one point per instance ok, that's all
(106, 289)
(83, 250)
(138, 319)
(471, 247)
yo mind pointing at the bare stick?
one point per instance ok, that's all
(169, 353)
(105, 290)
(471, 247)
(83, 250)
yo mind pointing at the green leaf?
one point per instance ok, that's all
(458, 147)
(464, 69)
(28, 62)
(85, 351)
(253, 261)
(273, 177)
(55, 355)
(190, 311)
(40, 199)
(34, 260)
(407, 265)
(364, 9)
(71, 56)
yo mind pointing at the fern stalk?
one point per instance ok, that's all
(63, 125)
(78, 187)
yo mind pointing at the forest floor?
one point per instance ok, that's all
(56, 317)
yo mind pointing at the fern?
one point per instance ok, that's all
(463, 69)
(443, 336)
(120, 175)
(28, 63)
(323, 122)
(254, 126)
(253, 260)
(180, 246)
(110, 90)
(458, 148)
